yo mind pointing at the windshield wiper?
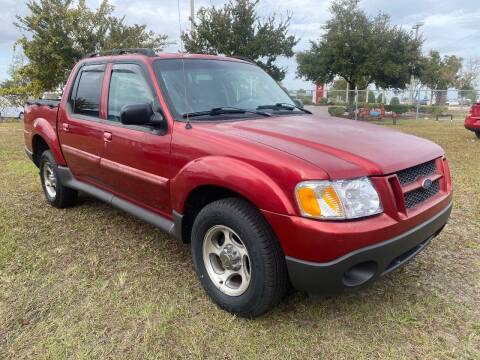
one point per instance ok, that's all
(283, 106)
(224, 110)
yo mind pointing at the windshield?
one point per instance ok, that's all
(197, 85)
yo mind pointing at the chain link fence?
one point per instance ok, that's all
(452, 104)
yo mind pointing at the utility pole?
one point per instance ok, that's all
(192, 14)
(415, 27)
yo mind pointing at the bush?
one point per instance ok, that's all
(394, 101)
(398, 108)
(323, 101)
(336, 110)
(307, 100)
(434, 110)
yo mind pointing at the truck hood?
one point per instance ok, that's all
(341, 147)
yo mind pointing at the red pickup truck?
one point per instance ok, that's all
(472, 121)
(211, 150)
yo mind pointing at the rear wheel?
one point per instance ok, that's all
(238, 258)
(478, 134)
(56, 194)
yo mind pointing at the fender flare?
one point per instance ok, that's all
(43, 128)
(231, 174)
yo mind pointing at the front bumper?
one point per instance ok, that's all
(366, 264)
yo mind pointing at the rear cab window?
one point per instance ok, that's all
(85, 98)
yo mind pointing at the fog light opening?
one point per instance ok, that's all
(359, 274)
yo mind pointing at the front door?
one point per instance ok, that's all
(80, 128)
(135, 158)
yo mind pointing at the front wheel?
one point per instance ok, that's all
(238, 258)
(478, 134)
(56, 194)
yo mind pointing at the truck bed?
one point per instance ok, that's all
(40, 116)
(38, 102)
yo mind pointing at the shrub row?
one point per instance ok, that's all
(337, 110)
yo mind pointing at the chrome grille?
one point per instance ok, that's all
(409, 175)
(418, 196)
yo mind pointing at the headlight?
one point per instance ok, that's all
(341, 199)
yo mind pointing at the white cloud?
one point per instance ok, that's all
(451, 27)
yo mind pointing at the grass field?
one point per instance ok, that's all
(93, 282)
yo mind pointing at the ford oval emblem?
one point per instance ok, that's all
(426, 184)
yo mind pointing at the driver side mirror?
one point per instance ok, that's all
(140, 114)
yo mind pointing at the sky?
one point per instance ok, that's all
(452, 27)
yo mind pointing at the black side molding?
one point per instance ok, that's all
(29, 153)
(169, 226)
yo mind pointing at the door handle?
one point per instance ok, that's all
(65, 127)
(107, 136)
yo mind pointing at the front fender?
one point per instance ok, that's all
(47, 132)
(232, 174)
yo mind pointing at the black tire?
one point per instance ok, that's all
(63, 196)
(268, 282)
(478, 134)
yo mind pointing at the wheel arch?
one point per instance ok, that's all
(45, 134)
(209, 179)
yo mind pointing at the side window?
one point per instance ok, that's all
(127, 86)
(87, 97)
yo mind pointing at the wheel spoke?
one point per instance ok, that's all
(242, 250)
(227, 237)
(212, 248)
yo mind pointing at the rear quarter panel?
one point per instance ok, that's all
(41, 120)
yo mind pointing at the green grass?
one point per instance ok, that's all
(92, 282)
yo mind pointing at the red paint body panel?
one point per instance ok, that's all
(42, 121)
(262, 159)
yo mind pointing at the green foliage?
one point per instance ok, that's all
(380, 98)
(337, 110)
(398, 108)
(15, 90)
(434, 110)
(236, 30)
(360, 49)
(440, 73)
(362, 98)
(59, 32)
(394, 101)
(322, 101)
(306, 99)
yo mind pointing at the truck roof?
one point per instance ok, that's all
(155, 56)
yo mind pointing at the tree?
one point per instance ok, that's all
(360, 49)
(469, 76)
(14, 91)
(440, 73)
(57, 33)
(236, 30)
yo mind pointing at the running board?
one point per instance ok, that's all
(67, 179)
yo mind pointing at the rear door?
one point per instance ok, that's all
(80, 128)
(135, 158)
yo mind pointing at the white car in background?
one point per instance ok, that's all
(12, 112)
